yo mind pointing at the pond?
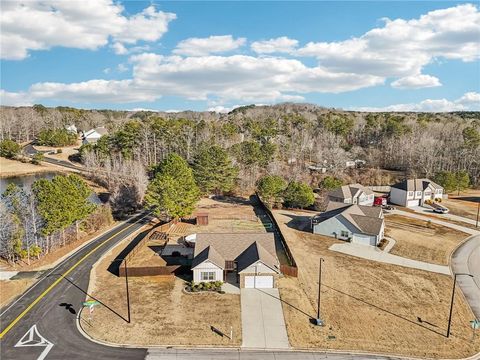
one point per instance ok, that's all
(26, 181)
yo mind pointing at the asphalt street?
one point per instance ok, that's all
(54, 315)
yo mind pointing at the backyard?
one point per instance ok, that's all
(465, 204)
(422, 240)
(367, 305)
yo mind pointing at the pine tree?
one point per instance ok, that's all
(298, 195)
(271, 188)
(173, 191)
(214, 171)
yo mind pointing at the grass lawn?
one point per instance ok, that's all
(367, 305)
(421, 240)
(161, 313)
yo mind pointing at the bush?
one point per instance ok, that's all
(56, 137)
(9, 148)
(37, 158)
(59, 151)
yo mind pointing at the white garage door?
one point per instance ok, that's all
(363, 239)
(260, 282)
(411, 203)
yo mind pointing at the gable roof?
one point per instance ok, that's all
(245, 248)
(350, 191)
(97, 131)
(416, 185)
(367, 219)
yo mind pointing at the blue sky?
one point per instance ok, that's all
(181, 55)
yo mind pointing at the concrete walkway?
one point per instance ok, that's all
(375, 254)
(263, 325)
(390, 245)
(466, 259)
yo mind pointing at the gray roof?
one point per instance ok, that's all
(416, 185)
(367, 219)
(350, 191)
(245, 248)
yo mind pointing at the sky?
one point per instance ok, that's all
(195, 55)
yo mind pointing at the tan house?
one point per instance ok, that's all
(352, 194)
(247, 259)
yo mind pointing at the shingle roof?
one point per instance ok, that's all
(245, 248)
(416, 185)
(367, 219)
(350, 191)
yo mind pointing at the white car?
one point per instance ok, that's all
(440, 210)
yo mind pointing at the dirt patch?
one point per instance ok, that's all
(161, 313)
(422, 240)
(18, 168)
(367, 305)
(10, 289)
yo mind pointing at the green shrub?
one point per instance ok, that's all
(9, 148)
(37, 158)
(59, 151)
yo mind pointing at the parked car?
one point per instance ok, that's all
(440, 210)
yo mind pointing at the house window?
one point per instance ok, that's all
(207, 275)
(410, 193)
(344, 234)
(419, 193)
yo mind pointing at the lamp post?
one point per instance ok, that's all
(318, 320)
(453, 297)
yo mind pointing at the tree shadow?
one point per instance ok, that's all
(467, 198)
(419, 323)
(236, 200)
(299, 222)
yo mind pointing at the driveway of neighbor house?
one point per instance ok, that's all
(374, 254)
(429, 211)
(263, 325)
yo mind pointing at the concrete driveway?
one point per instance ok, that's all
(263, 325)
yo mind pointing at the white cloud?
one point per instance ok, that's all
(401, 48)
(106, 70)
(206, 46)
(122, 68)
(279, 45)
(87, 24)
(14, 98)
(416, 82)
(222, 109)
(119, 48)
(468, 102)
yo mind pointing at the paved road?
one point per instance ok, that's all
(30, 150)
(56, 323)
(466, 259)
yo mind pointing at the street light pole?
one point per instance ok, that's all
(453, 297)
(318, 320)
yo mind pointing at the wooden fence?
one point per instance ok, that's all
(147, 271)
(287, 269)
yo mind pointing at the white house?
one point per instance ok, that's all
(72, 129)
(250, 258)
(352, 194)
(350, 222)
(93, 135)
(414, 192)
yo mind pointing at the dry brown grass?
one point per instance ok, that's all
(10, 289)
(367, 305)
(465, 204)
(421, 240)
(16, 168)
(162, 314)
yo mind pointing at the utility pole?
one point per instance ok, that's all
(453, 297)
(128, 293)
(478, 212)
(318, 320)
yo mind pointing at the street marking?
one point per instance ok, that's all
(33, 338)
(56, 282)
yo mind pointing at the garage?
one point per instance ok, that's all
(411, 203)
(259, 281)
(364, 239)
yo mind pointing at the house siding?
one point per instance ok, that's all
(204, 267)
(333, 227)
(398, 197)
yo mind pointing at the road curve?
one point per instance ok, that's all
(60, 300)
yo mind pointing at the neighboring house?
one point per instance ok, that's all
(249, 258)
(351, 222)
(93, 135)
(352, 194)
(72, 129)
(414, 192)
